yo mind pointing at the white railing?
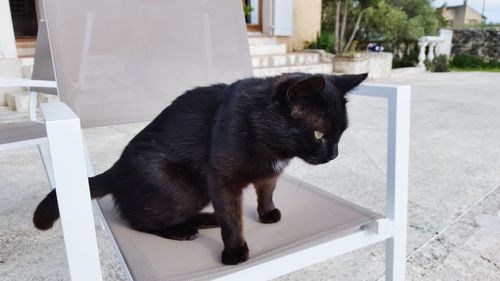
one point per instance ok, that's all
(439, 44)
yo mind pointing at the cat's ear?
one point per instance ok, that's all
(345, 83)
(312, 85)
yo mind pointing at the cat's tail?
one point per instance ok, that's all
(47, 211)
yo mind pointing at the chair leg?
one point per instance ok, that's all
(47, 164)
(33, 100)
(398, 138)
(99, 224)
(395, 259)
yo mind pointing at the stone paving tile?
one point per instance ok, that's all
(27, 253)
(465, 251)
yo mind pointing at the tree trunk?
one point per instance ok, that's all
(343, 26)
(336, 47)
(354, 31)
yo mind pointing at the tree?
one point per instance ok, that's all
(427, 18)
(398, 24)
(364, 6)
(344, 8)
(386, 23)
(395, 23)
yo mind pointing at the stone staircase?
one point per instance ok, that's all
(271, 58)
(25, 47)
(14, 101)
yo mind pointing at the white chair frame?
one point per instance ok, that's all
(32, 104)
(20, 82)
(71, 170)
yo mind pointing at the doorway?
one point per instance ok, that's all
(24, 18)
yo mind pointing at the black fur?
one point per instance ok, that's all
(212, 142)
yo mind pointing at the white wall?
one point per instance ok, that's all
(7, 39)
(445, 46)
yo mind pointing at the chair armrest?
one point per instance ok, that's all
(20, 82)
(58, 111)
(381, 90)
(67, 154)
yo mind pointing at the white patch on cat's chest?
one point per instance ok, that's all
(279, 166)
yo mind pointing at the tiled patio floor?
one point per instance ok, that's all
(454, 183)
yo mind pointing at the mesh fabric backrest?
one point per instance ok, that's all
(120, 61)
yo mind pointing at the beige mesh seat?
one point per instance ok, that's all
(124, 61)
(152, 258)
(17, 132)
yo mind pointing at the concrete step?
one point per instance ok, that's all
(256, 50)
(294, 58)
(25, 52)
(18, 101)
(26, 43)
(27, 66)
(262, 40)
(7, 115)
(307, 68)
(26, 48)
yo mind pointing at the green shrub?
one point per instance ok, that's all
(403, 62)
(247, 9)
(324, 41)
(473, 62)
(409, 58)
(466, 61)
(440, 64)
(428, 64)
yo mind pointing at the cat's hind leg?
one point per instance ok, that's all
(187, 230)
(203, 220)
(182, 231)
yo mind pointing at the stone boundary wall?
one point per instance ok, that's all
(483, 43)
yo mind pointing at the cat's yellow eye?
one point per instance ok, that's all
(318, 135)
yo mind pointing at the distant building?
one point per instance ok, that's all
(462, 15)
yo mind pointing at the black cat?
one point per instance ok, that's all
(212, 142)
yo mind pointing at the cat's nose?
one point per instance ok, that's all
(334, 152)
(334, 155)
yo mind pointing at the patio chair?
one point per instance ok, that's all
(32, 131)
(123, 61)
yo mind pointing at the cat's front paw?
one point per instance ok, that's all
(233, 256)
(271, 216)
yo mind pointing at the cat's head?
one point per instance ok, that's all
(315, 111)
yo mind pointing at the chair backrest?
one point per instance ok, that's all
(43, 68)
(122, 61)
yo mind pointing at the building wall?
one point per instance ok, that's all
(7, 39)
(472, 16)
(306, 24)
(461, 16)
(449, 14)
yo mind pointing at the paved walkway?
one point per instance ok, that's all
(454, 231)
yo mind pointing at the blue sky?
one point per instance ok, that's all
(491, 8)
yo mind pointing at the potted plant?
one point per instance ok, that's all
(247, 10)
